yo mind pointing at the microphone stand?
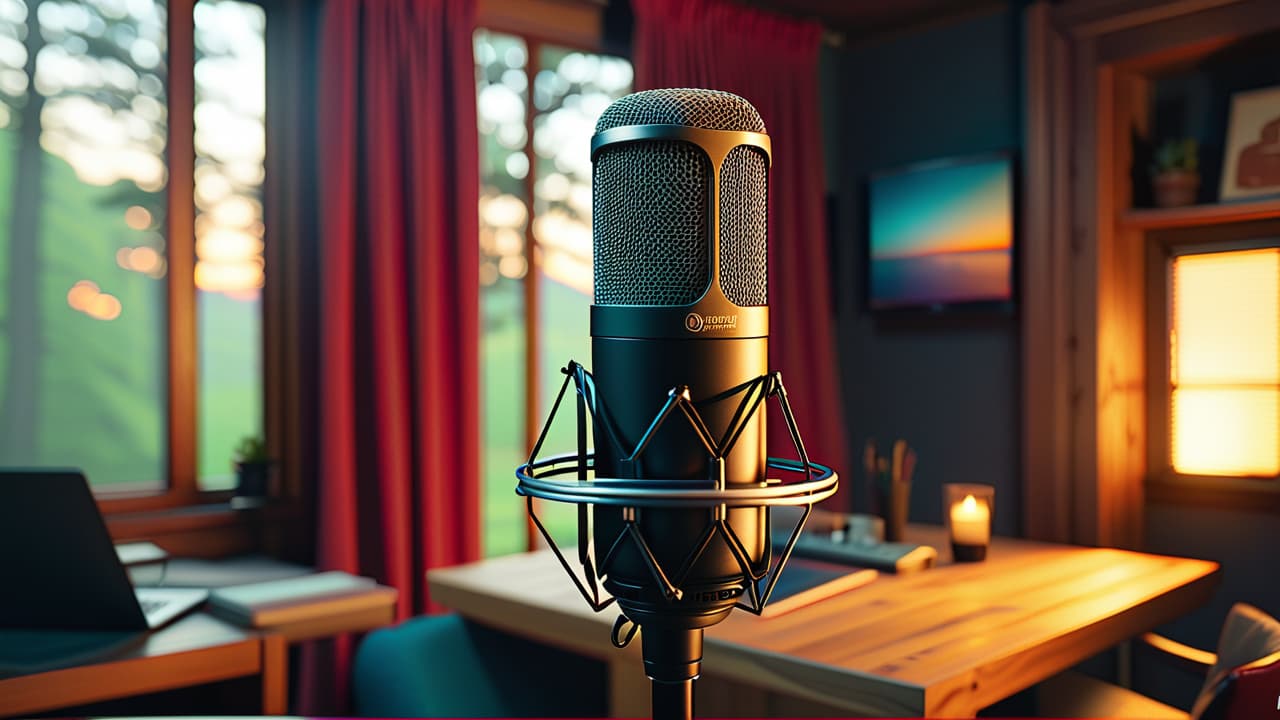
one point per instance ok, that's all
(672, 660)
(673, 701)
(672, 641)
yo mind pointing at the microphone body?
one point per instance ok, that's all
(680, 213)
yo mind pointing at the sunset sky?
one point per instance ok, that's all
(961, 208)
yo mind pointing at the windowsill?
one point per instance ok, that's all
(1225, 493)
(200, 514)
(206, 530)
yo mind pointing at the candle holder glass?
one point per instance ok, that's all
(968, 508)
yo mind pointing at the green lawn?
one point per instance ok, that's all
(565, 336)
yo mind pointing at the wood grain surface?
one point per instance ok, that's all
(195, 650)
(943, 643)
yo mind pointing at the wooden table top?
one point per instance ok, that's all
(943, 642)
(195, 649)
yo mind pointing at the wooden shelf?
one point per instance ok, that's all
(1194, 215)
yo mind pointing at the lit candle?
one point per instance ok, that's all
(970, 522)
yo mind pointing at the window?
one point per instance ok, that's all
(1224, 363)
(535, 243)
(100, 269)
(230, 145)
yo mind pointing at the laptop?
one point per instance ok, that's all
(58, 567)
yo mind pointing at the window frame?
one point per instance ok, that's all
(181, 488)
(575, 25)
(1163, 484)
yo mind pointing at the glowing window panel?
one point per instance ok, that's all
(1224, 346)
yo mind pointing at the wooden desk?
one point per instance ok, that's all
(945, 642)
(194, 650)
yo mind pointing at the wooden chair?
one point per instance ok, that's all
(1241, 681)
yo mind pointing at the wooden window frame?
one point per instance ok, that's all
(1084, 376)
(194, 521)
(1163, 483)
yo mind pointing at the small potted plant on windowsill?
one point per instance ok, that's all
(1176, 175)
(253, 473)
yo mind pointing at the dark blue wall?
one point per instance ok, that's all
(947, 385)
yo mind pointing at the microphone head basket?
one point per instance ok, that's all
(569, 478)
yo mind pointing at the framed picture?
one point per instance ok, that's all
(1251, 167)
(941, 236)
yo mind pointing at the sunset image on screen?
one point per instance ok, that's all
(942, 235)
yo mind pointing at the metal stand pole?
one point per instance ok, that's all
(673, 700)
(672, 660)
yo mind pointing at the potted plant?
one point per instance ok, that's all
(253, 472)
(1176, 173)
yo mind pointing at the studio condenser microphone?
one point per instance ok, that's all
(674, 501)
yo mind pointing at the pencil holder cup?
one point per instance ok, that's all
(893, 499)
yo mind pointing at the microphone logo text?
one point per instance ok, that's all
(716, 595)
(693, 322)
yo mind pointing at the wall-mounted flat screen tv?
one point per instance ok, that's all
(941, 235)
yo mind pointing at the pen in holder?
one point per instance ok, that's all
(889, 480)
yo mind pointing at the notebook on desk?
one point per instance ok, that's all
(59, 568)
(887, 556)
(276, 603)
(818, 542)
(804, 582)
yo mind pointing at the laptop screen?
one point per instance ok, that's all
(57, 562)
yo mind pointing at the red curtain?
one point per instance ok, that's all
(772, 61)
(398, 480)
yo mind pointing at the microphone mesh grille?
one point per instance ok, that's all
(693, 107)
(744, 215)
(650, 214)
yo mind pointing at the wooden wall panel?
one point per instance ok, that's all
(1045, 246)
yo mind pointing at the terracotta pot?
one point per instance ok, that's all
(1176, 188)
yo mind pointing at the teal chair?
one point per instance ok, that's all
(445, 666)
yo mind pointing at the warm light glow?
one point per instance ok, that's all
(231, 278)
(144, 259)
(137, 217)
(104, 307)
(503, 211)
(1226, 308)
(513, 266)
(228, 246)
(1224, 350)
(81, 293)
(86, 297)
(970, 522)
(1225, 431)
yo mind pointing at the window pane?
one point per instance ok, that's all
(1226, 317)
(230, 75)
(82, 217)
(1225, 362)
(570, 91)
(501, 103)
(1226, 431)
